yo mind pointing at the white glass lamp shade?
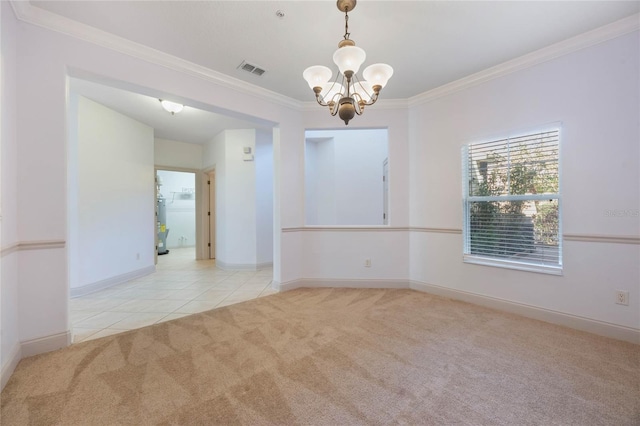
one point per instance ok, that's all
(364, 89)
(349, 58)
(378, 74)
(330, 90)
(171, 107)
(317, 75)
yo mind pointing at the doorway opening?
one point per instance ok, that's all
(346, 177)
(176, 212)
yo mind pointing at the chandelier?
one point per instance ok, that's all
(349, 96)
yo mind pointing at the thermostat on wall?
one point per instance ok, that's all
(248, 156)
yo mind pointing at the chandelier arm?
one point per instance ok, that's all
(320, 102)
(373, 99)
(319, 99)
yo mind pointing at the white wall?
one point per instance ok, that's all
(45, 59)
(176, 154)
(594, 94)
(339, 254)
(345, 176)
(178, 188)
(240, 200)
(115, 196)
(320, 181)
(244, 198)
(9, 334)
(264, 197)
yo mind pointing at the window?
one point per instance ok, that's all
(512, 202)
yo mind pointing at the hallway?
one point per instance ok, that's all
(180, 286)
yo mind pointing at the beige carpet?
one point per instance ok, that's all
(334, 357)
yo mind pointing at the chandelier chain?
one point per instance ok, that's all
(346, 24)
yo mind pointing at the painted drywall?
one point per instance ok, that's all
(264, 197)
(178, 189)
(244, 197)
(240, 199)
(176, 154)
(115, 195)
(9, 333)
(330, 254)
(43, 63)
(593, 93)
(320, 181)
(345, 176)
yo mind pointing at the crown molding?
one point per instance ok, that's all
(25, 12)
(581, 41)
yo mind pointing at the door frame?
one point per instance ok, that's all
(207, 175)
(198, 218)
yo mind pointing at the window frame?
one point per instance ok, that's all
(494, 261)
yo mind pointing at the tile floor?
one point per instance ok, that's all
(180, 286)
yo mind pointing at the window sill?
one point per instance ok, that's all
(508, 264)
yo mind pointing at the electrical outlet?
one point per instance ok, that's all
(137, 256)
(367, 263)
(622, 297)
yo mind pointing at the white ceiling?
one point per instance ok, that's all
(428, 43)
(192, 125)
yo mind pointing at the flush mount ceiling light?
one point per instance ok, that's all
(349, 96)
(171, 107)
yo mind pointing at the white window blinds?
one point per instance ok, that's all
(512, 200)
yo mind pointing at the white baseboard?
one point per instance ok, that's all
(110, 282)
(45, 344)
(9, 365)
(340, 283)
(568, 320)
(242, 266)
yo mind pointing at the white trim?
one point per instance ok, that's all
(41, 245)
(583, 238)
(11, 248)
(340, 283)
(565, 47)
(43, 18)
(25, 12)
(9, 366)
(32, 245)
(613, 239)
(523, 197)
(242, 266)
(437, 230)
(110, 282)
(601, 328)
(45, 344)
(509, 264)
(381, 228)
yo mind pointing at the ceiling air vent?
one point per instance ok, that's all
(253, 69)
